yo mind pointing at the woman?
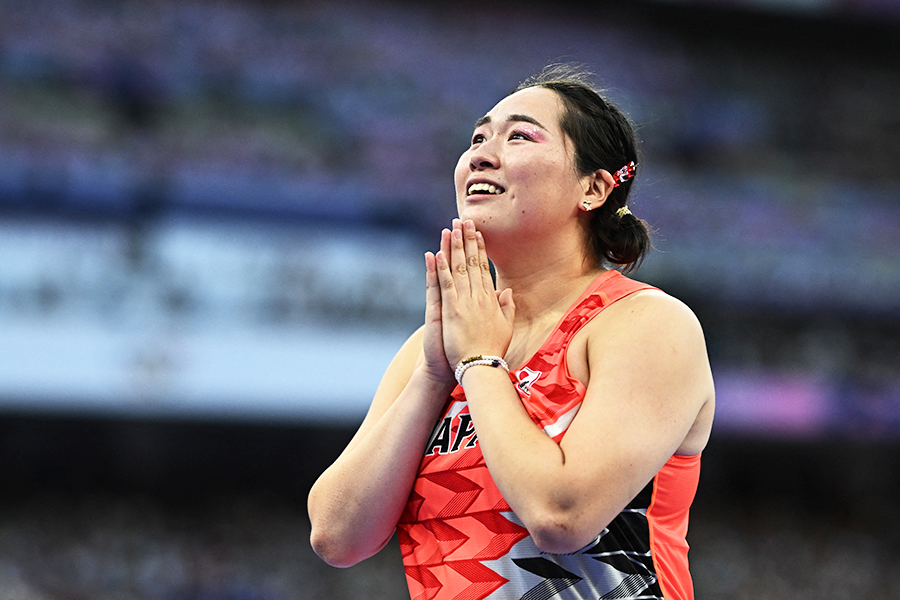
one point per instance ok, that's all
(571, 475)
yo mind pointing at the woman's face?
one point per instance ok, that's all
(519, 169)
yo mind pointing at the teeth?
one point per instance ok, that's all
(484, 187)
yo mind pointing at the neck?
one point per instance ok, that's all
(547, 269)
(553, 286)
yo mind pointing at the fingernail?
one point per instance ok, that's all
(470, 226)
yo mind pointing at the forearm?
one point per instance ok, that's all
(356, 503)
(528, 467)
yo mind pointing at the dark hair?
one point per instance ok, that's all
(604, 138)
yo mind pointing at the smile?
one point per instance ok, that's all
(484, 188)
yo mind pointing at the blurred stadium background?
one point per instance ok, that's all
(212, 215)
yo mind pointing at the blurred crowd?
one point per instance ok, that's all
(256, 548)
(779, 153)
(353, 110)
(222, 161)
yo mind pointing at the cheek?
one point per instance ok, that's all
(552, 185)
(540, 175)
(462, 168)
(460, 173)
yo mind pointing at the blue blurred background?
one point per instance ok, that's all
(212, 217)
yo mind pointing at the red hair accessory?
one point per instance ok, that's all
(624, 174)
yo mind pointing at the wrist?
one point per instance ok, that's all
(478, 360)
(440, 383)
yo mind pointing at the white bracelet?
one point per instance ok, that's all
(478, 359)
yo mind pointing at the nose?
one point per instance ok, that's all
(484, 157)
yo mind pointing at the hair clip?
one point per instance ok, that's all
(622, 212)
(624, 174)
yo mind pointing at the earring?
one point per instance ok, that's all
(586, 204)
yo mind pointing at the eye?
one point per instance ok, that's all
(520, 135)
(477, 138)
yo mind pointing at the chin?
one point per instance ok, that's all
(478, 212)
(482, 221)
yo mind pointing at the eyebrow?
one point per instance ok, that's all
(511, 118)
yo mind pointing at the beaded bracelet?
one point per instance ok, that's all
(478, 359)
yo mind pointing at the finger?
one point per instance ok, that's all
(446, 285)
(507, 306)
(473, 261)
(458, 260)
(445, 278)
(433, 343)
(484, 265)
(445, 241)
(432, 290)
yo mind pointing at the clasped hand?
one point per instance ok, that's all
(464, 314)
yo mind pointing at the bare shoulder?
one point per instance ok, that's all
(653, 308)
(644, 325)
(637, 324)
(650, 345)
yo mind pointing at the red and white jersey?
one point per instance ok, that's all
(461, 541)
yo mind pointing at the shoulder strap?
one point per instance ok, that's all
(607, 289)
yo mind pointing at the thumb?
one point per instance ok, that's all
(507, 305)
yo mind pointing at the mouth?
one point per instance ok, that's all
(484, 188)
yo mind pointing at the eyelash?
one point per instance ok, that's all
(479, 137)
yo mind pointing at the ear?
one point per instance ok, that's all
(597, 187)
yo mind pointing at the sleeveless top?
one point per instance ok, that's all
(460, 540)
